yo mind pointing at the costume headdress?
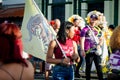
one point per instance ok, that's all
(73, 17)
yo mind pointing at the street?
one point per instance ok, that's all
(93, 76)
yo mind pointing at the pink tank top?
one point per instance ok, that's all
(68, 49)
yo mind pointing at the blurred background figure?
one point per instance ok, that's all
(39, 62)
(55, 24)
(115, 55)
(102, 24)
(12, 64)
(48, 68)
(109, 34)
(79, 24)
(52, 23)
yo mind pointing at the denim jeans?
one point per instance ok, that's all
(63, 72)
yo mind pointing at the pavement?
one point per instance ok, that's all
(40, 76)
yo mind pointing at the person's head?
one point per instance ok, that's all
(115, 39)
(66, 31)
(112, 27)
(93, 19)
(10, 44)
(76, 22)
(56, 25)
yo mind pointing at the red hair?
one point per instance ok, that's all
(10, 44)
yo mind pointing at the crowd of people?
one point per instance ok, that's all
(92, 40)
(78, 46)
(93, 46)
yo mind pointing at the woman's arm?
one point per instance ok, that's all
(82, 46)
(50, 54)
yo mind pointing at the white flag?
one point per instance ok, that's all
(36, 32)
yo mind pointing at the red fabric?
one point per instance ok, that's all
(76, 37)
(68, 49)
(52, 22)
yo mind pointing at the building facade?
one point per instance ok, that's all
(110, 8)
(63, 9)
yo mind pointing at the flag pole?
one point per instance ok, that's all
(61, 48)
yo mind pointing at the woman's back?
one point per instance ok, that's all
(16, 71)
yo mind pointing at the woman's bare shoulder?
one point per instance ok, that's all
(15, 68)
(52, 43)
(28, 71)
